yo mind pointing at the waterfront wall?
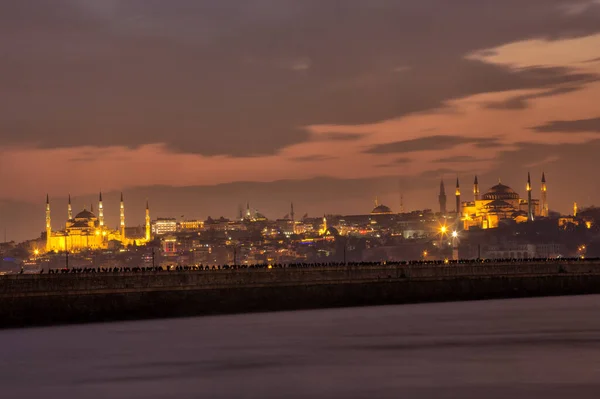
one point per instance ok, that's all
(27, 300)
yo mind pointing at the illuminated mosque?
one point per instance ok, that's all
(86, 231)
(499, 204)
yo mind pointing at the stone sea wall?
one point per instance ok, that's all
(28, 300)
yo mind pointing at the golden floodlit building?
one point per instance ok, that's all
(501, 203)
(86, 231)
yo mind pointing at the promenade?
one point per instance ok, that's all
(117, 294)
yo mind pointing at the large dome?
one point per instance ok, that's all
(381, 209)
(501, 192)
(85, 214)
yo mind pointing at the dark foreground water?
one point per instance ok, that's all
(526, 348)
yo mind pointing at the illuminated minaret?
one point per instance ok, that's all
(442, 198)
(69, 209)
(48, 224)
(544, 199)
(575, 209)
(147, 221)
(122, 217)
(457, 197)
(100, 211)
(476, 189)
(529, 204)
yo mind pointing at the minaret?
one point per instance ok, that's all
(48, 224)
(529, 204)
(476, 189)
(575, 209)
(69, 209)
(544, 197)
(457, 197)
(147, 222)
(122, 218)
(324, 225)
(401, 203)
(442, 198)
(100, 211)
(293, 218)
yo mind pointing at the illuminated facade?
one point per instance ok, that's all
(163, 226)
(502, 203)
(86, 231)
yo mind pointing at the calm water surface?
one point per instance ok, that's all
(526, 348)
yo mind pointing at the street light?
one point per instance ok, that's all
(443, 229)
(454, 245)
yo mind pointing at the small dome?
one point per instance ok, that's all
(381, 209)
(332, 231)
(85, 214)
(500, 192)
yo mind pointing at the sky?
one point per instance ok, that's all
(200, 106)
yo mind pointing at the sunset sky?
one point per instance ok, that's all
(200, 106)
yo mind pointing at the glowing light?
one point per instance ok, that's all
(36, 252)
(443, 229)
(454, 234)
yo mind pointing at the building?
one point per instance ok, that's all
(162, 226)
(86, 231)
(381, 209)
(191, 225)
(502, 204)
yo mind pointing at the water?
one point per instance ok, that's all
(526, 348)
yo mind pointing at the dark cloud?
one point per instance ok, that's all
(458, 158)
(339, 136)
(488, 142)
(575, 126)
(395, 162)
(313, 158)
(245, 76)
(522, 102)
(426, 143)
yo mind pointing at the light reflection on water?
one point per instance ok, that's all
(525, 348)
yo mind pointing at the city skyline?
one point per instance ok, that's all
(199, 108)
(64, 208)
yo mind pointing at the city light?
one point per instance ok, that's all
(454, 234)
(443, 229)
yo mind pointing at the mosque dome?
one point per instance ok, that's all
(381, 209)
(85, 214)
(501, 192)
(332, 231)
